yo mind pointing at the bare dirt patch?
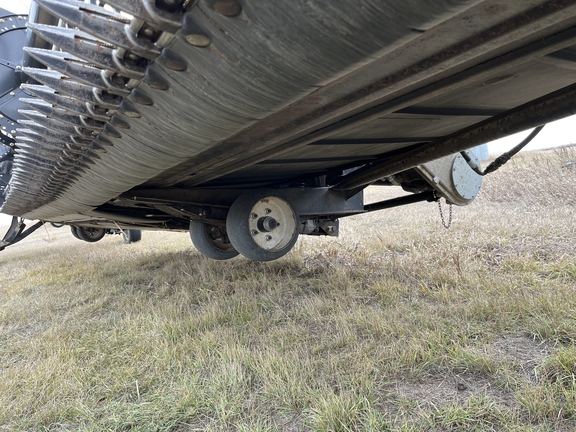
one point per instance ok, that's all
(523, 352)
(451, 387)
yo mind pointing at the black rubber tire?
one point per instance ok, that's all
(90, 234)
(74, 231)
(240, 225)
(132, 236)
(211, 241)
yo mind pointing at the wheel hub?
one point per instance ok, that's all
(267, 224)
(217, 236)
(272, 223)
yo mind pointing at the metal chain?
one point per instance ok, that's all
(444, 224)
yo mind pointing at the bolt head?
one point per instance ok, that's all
(176, 65)
(254, 216)
(158, 85)
(267, 211)
(198, 40)
(254, 232)
(268, 237)
(228, 8)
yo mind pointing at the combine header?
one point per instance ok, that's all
(251, 122)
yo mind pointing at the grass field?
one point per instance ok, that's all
(397, 325)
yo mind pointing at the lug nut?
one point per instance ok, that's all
(254, 216)
(268, 238)
(254, 232)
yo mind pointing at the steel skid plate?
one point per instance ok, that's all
(177, 95)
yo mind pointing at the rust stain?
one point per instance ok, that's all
(494, 9)
(218, 53)
(245, 18)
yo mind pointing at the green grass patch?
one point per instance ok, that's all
(398, 325)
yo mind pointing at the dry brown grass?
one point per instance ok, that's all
(398, 324)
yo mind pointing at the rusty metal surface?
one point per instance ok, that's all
(276, 134)
(217, 91)
(233, 94)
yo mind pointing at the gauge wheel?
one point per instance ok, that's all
(262, 225)
(211, 241)
(90, 234)
(131, 236)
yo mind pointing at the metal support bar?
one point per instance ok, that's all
(554, 106)
(400, 201)
(16, 232)
(305, 201)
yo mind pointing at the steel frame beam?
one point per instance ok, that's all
(554, 106)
